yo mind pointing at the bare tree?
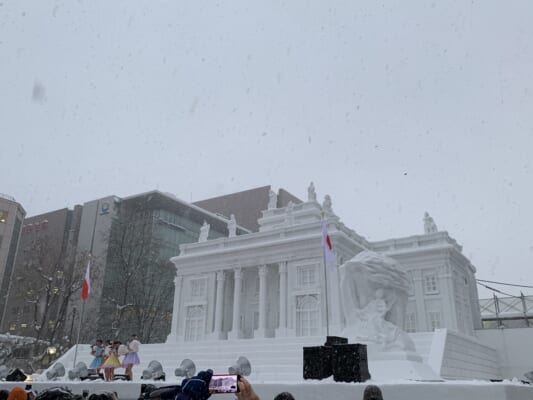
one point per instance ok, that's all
(138, 285)
(44, 282)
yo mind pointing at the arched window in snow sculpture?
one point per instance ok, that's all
(194, 323)
(307, 315)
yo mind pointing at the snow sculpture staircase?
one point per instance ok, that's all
(273, 360)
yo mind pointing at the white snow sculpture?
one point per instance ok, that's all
(232, 226)
(311, 193)
(326, 205)
(272, 200)
(429, 224)
(204, 232)
(374, 291)
(289, 217)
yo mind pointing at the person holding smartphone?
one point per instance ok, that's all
(246, 391)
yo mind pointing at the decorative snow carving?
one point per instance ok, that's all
(272, 200)
(429, 224)
(374, 291)
(204, 232)
(326, 205)
(289, 217)
(232, 226)
(311, 193)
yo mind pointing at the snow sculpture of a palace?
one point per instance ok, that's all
(272, 284)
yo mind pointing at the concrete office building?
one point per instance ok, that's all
(43, 273)
(11, 216)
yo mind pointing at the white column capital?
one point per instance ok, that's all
(221, 276)
(283, 267)
(263, 270)
(238, 273)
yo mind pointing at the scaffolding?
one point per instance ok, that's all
(507, 312)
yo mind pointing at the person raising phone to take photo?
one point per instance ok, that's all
(246, 391)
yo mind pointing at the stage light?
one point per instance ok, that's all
(154, 371)
(80, 371)
(16, 375)
(57, 371)
(186, 369)
(51, 350)
(241, 367)
(4, 371)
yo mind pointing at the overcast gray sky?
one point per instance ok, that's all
(392, 108)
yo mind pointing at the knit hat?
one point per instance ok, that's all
(372, 392)
(17, 393)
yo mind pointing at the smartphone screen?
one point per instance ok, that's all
(224, 384)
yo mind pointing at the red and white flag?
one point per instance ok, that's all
(326, 244)
(86, 289)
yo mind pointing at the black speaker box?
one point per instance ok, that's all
(317, 362)
(331, 340)
(350, 363)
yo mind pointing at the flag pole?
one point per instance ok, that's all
(325, 277)
(83, 299)
(78, 335)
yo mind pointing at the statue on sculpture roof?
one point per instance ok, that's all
(311, 193)
(272, 200)
(326, 205)
(204, 232)
(429, 224)
(232, 226)
(289, 217)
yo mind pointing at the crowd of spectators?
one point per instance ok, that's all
(195, 388)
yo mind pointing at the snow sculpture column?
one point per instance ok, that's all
(235, 332)
(282, 329)
(173, 336)
(260, 332)
(219, 309)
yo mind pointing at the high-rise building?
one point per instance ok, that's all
(42, 279)
(11, 216)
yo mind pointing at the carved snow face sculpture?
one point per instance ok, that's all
(374, 291)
